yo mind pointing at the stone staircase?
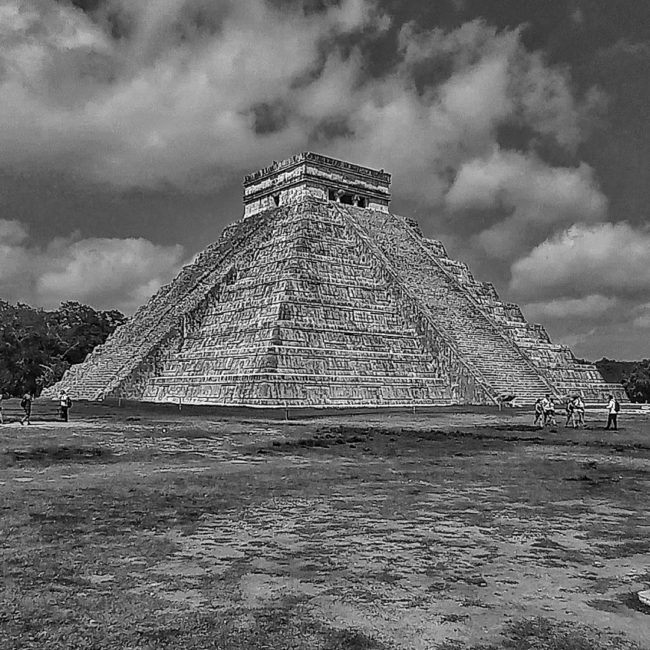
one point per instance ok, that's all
(81, 383)
(496, 359)
(306, 322)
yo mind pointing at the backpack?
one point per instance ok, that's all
(617, 406)
(23, 402)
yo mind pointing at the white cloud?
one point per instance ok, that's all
(607, 259)
(575, 339)
(12, 232)
(106, 273)
(570, 308)
(528, 198)
(591, 285)
(477, 98)
(641, 316)
(513, 180)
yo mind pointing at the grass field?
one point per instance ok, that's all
(447, 531)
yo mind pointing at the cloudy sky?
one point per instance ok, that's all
(517, 131)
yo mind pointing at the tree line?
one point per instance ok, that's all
(634, 375)
(38, 346)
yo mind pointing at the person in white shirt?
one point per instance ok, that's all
(64, 405)
(612, 413)
(550, 413)
(548, 408)
(579, 411)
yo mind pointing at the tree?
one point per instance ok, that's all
(37, 346)
(613, 371)
(637, 383)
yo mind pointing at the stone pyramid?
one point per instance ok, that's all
(320, 297)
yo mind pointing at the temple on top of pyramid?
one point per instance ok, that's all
(310, 175)
(320, 297)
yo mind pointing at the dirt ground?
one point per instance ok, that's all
(447, 531)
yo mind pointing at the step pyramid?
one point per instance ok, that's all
(320, 297)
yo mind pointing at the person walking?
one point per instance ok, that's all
(570, 413)
(613, 408)
(64, 405)
(545, 404)
(579, 411)
(548, 408)
(26, 403)
(539, 413)
(549, 414)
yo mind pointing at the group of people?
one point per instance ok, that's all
(545, 410)
(575, 412)
(27, 401)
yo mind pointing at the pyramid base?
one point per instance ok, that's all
(278, 412)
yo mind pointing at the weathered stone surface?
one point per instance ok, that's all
(320, 297)
(311, 175)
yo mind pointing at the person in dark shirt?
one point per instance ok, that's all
(26, 403)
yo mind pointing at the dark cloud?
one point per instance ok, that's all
(269, 117)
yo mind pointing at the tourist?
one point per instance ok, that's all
(539, 413)
(546, 407)
(613, 407)
(549, 413)
(64, 405)
(26, 404)
(570, 413)
(579, 411)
